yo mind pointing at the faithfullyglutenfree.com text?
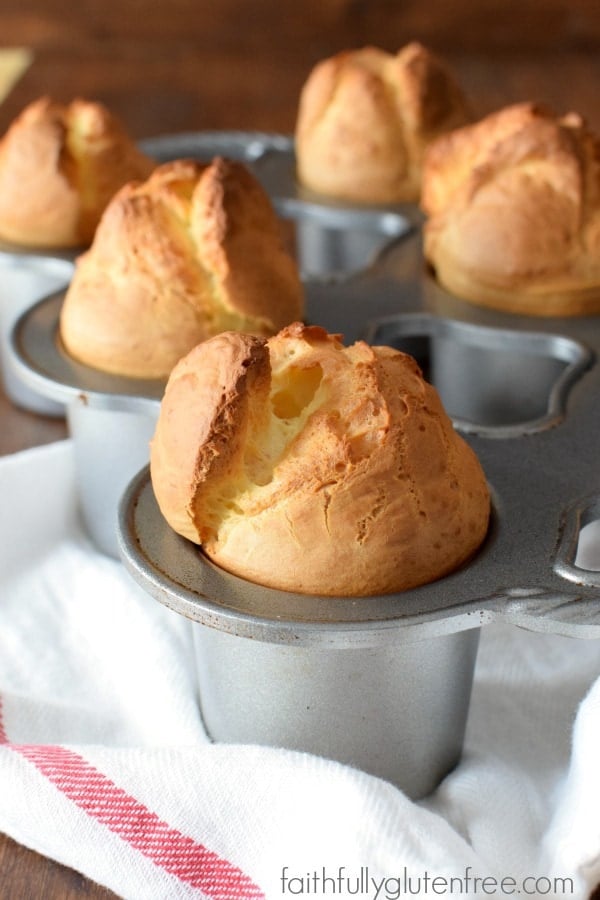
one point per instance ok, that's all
(347, 882)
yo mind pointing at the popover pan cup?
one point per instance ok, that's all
(110, 418)
(24, 279)
(110, 444)
(337, 677)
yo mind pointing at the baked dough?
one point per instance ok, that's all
(304, 465)
(513, 206)
(365, 117)
(193, 251)
(59, 167)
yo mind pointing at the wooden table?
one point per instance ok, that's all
(161, 78)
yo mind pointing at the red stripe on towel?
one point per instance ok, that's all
(100, 798)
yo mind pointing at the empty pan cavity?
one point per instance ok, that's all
(331, 243)
(578, 554)
(493, 382)
(334, 240)
(588, 546)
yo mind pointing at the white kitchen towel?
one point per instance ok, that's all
(105, 766)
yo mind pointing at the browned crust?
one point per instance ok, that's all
(59, 167)
(514, 212)
(203, 421)
(193, 251)
(365, 117)
(370, 491)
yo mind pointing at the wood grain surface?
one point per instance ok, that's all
(188, 65)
